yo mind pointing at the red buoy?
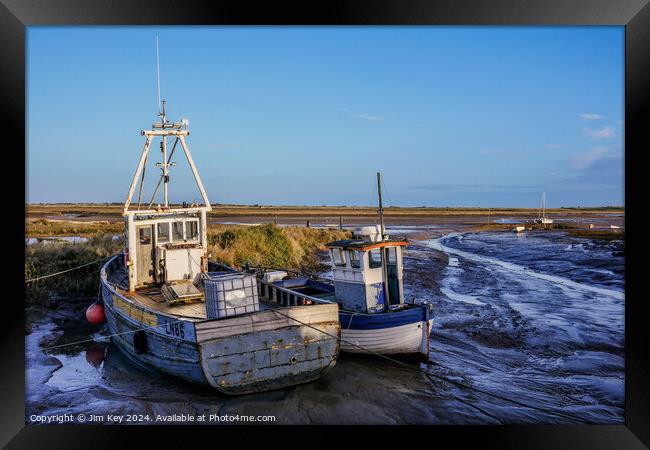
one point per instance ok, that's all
(95, 313)
(95, 354)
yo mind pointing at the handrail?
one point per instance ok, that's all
(304, 296)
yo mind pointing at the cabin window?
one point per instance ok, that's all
(163, 232)
(177, 231)
(392, 255)
(374, 258)
(338, 257)
(145, 235)
(192, 230)
(355, 259)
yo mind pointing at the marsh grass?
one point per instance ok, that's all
(263, 245)
(45, 258)
(269, 245)
(47, 228)
(609, 235)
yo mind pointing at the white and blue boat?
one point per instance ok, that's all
(367, 284)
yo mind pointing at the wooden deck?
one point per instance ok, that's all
(152, 299)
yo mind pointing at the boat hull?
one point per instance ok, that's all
(405, 339)
(275, 352)
(402, 331)
(254, 352)
(395, 332)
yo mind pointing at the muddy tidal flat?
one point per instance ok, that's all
(528, 328)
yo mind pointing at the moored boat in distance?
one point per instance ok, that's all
(169, 308)
(542, 212)
(367, 284)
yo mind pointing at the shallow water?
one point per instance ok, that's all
(537, 319)
(545, 322)
(53, 239)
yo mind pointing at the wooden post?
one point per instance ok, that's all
(308, 224)
(341, 223)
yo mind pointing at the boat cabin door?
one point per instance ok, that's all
(144, 256)
(394, 294)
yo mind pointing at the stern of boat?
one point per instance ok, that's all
(269, 349)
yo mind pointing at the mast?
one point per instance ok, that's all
(165, 165)
(381, 209)
(384, 268)
(164, 129)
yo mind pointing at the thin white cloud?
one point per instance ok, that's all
(365, 116)
(584, 160)
(600, 133)
(368, 117)
(590, 116)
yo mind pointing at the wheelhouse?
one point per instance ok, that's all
(368, 275)
(166, 247)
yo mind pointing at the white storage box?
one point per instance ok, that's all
(275, 275)
(230, 295)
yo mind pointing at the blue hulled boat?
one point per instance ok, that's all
(367, 284)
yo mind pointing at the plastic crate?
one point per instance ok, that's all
(230, 295)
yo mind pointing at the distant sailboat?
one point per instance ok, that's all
(542, 212)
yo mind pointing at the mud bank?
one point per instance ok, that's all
(554, 346)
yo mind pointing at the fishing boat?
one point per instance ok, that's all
(367, 284)
(168, 307)
(542, 212)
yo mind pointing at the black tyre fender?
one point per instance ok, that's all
(140, 342)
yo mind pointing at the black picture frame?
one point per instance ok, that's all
(16, 15)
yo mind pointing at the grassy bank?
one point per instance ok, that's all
(264, 245)
(46, 228)
(52, 257)
(269, 245)
(571, 229)
(529, 226)
(270, 211)
(609, 235)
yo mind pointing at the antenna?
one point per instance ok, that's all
(158, 72)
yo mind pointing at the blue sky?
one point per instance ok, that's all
(452, 116)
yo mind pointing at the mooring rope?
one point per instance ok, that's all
(67, 270)
(338, 338)
(439, 377)
(111, 335)
(388, 358)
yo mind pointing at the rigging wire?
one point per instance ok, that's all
(112, 335)
(390, 200)
(158, 72)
